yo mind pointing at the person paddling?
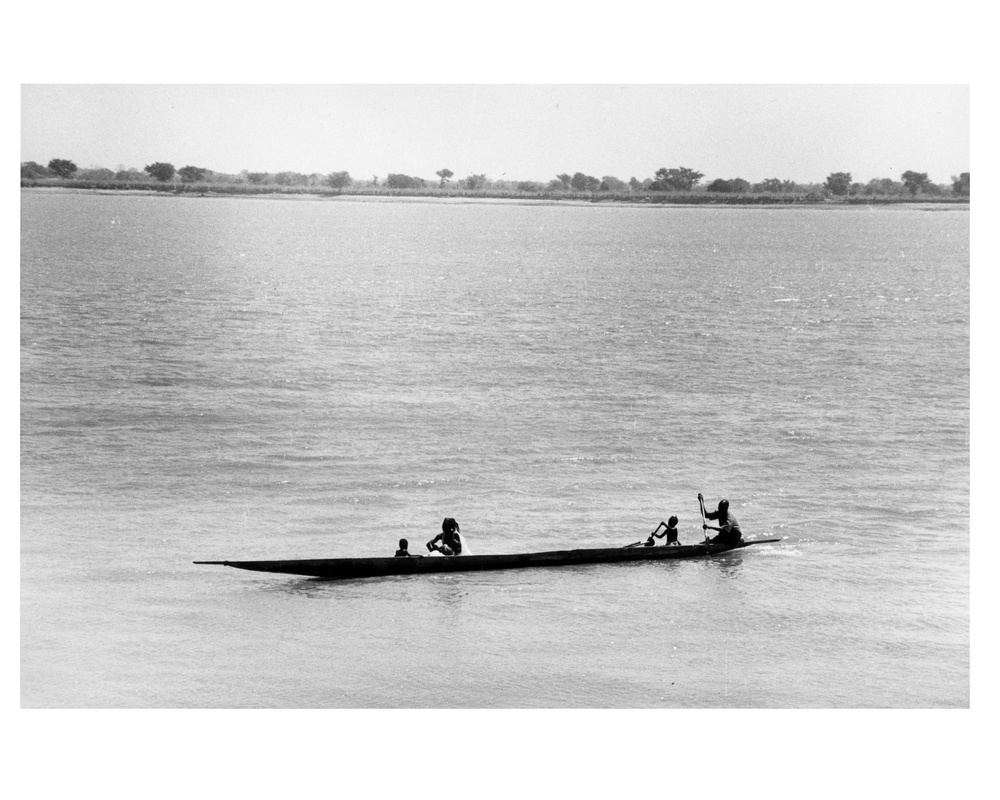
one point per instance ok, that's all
(450, 538)
(670, 531)
(729, 528)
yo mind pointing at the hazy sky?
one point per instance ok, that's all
(523, 131)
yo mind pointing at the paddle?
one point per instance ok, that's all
(648, 541)
(704, 522)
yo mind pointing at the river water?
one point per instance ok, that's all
(236, 378)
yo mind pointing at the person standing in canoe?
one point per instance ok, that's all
(729, 528)
(450, 538)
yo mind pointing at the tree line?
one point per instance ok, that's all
(678, 179)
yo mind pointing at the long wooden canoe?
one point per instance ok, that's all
(338, 568)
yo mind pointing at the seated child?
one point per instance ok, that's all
(670, 533)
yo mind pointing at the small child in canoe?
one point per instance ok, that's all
(670, 532)
(403, 551)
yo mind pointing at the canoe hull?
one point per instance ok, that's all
(341, 568)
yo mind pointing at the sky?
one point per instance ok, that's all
(525, 131)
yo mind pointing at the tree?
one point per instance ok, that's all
(29, 169)
(734, 185)
(960, 185)
(474, 182)
(884, 186)
(584, 183)
(191, 174)
(565, 180)
(62, 167)
(914, 181)
(339, 180)
(681, 179)
(659, 183)
(444, 174)
(838, 182)
(160, 170)
(774, 186)
(609, 183)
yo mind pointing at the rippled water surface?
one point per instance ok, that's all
(216, 378)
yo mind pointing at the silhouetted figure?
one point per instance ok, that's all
(729, 528)
(670, 531)
(450, 538)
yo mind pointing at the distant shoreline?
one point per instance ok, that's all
(681, 199)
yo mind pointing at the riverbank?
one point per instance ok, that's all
(450, 195)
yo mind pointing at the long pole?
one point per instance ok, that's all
(704, 522)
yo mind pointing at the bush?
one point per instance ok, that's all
(396, 181)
